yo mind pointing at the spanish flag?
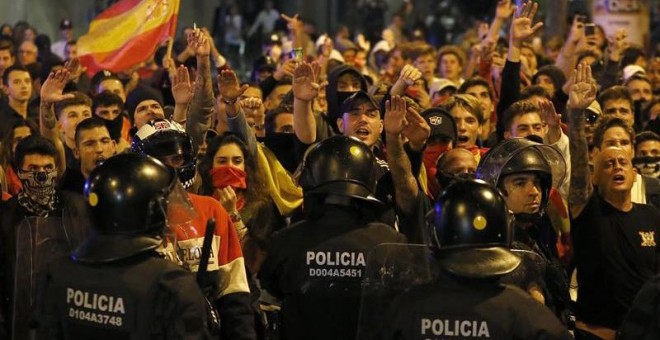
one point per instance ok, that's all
(127, 34)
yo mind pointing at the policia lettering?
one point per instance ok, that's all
(338, 264)
(93, 307)
(455, 328)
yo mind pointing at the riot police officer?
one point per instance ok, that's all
(315, 267)
(527, 173)
(470, 237)
(115, 286)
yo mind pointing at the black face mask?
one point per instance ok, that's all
(281, 144)
(114, 126)
(638, 106)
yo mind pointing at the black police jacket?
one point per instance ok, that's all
(316, 267)
(142, 297)
(469, 309)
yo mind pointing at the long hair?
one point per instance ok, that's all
(256, 192)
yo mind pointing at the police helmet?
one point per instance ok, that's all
(471, 231)
(521, 155)
(340, 165)
(162, 137)
(127, 197)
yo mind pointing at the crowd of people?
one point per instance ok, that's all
(519, 181)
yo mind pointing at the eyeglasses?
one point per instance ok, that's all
(592, 117)
(26, 52)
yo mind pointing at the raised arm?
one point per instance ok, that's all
(407, 77)
(305, 88)
(521, 30)
(230, 90)
(399, 124)
(582, 93)
(202, 104)
(51, 93)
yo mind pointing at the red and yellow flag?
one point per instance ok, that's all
(127, 33)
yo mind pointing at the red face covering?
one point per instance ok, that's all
(430, 157)
(226, 175)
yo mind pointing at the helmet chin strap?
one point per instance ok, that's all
(528, 219)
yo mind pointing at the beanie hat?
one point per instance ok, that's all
(140, 94)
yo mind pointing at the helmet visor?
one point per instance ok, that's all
(491, 166)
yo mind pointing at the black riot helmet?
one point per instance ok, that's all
(160, 138)
(521, 155)
(471, 231)
(128, 196)
(339, 165)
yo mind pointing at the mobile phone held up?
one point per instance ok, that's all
(589, 29)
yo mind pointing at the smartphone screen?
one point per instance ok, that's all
(589, 29)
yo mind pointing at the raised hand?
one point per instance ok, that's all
(306, 84)
(583, 91)
(75, 68)
(549, 115)
(292, 23)
(416, 130)
(521, 26)
(285, 69)
(229, 87)
(199, 43)
(254, 109)
(503, 10)
(227, 198)
(182, 88)
(52, 89)
(395, 116)
(409, 75)
(616, 44)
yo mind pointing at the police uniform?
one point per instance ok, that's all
(470, 235)
(316, 266)
(115, 286)
(462, 309)
(142, 297)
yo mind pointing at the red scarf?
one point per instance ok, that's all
(430, 159)
(224, 176)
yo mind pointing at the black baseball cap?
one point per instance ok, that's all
(441, 122)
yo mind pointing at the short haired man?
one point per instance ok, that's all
(27, 53)
(37, 162)
(613, 238)
(617, 101)
(639, 87)
(615, 132)
(66, 31)
(450, 63)
(7, 56)
(647, 154)
(424, 59)
(93, 147)
(109, 107)
(279, 136)
(105, 80)
(480, 89)
(18, 86)
(143, 105)
(466, 111)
